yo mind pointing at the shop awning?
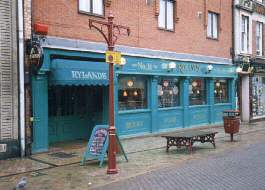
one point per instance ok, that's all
(75, 72)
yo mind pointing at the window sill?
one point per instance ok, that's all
(223, 104)
(134, 111)
(210, 38)
(166, 30)
(91, 14)
(199, 106)
(170, 108)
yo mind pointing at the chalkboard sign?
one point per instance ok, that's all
(99, 138)
(98, 145)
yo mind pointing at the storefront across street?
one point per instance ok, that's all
(70, 95)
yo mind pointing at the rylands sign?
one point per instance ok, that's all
(89, 75)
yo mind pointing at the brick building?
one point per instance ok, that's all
(178, 70)
(249, 45)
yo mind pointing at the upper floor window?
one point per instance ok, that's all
(212, 27)
(166, 14)
(244, 34)
(91, 6)
(259, 38)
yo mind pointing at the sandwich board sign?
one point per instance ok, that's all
(98, 143)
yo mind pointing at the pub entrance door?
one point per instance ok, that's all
(74, 111)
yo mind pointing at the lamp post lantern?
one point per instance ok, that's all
(110, 37)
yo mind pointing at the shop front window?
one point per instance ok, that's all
(132, 92)
(258, 96)
(220, 91)
(197, 92)
(168, 92)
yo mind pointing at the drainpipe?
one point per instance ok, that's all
(21, 76)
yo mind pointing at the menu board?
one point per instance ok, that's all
(98, 145)
(98, 141)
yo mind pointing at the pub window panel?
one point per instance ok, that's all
(197, 92)
(220, 91)
(166, 15)
(168, 92)
(132, 92)
(91, 6)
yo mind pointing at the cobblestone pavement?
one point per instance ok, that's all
(146, 154)
(237, 170)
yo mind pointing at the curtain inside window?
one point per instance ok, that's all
(84, 5)
(161, 17)
(209, 26)
(98, 7)
(170, 15)
(215, 25)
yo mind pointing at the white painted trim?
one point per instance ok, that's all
(21, 77)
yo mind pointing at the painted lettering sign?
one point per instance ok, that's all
(181, 68)
(145, 66)
(89, 75)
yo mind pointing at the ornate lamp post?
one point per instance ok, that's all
(111, 36)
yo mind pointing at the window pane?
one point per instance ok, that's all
(215, 25)
(209, 25)
(259, 38)
(170, 15)
(162, 12)
(244, 34)
(132, 92)
(220, 91)
(84, 5)
(168, 92)
(197, 92)
(98, 7)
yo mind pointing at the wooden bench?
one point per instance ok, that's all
(188, 138)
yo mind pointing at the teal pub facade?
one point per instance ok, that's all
(152, 94)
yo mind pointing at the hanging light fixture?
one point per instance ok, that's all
(194, 83)
(135, 93)
(217, 84)
(130, 83)
(125, 93)
(165, 83)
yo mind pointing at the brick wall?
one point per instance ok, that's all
(27, 19)
(190, 31)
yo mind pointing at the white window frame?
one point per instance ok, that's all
(213, 25)
(244, 34)
(88, 7)
(259, 38)
(166, 15)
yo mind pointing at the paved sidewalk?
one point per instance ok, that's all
(145, 154)
(241, 169)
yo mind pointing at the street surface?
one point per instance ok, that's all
(238, 165)
(236, 170)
